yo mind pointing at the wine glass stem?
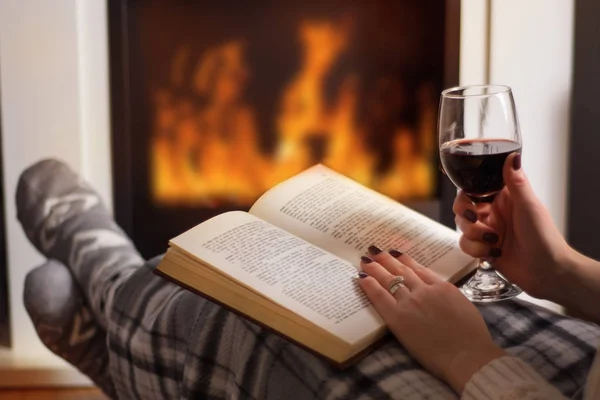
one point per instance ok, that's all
(486, 266)
(487, 279)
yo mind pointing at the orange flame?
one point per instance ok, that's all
(209, 155)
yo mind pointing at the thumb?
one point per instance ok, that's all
(516, 181)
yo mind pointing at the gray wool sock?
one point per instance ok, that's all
(65, 219)
(64, 322)
(70, 300)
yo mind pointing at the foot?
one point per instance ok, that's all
(64, 218)
(64, 323)
(49, 194)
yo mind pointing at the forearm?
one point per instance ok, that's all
(577, 288)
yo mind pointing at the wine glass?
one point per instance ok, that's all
(478, 129)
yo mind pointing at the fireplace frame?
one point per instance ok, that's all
(5, 338)
(121, 64)
(583, 219)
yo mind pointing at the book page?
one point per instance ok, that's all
(303, 278)
(344, 217)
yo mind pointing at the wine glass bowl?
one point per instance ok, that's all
(478, 129)
(475, 165)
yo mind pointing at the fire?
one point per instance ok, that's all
(210, 154)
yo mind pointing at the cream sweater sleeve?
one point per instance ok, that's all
(509, 378)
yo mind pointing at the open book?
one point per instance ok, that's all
(291, 263)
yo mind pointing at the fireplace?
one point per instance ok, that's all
(213, 102)
(4, 306)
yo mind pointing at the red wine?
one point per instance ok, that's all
(475, 165)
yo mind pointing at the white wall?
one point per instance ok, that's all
(474, 42)
(530, 50)
(54, 93)
(92, 52)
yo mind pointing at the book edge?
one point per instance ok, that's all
(340, 365)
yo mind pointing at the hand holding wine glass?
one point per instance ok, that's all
(478, 129)
(534, 254)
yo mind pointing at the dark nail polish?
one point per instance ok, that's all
(517, 162)
(490, 237)
(366, 259)
(374, 250)
(495, 252)
(395, 253)
(362, 275)
(470, 215)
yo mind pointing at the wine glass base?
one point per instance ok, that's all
(486, 288)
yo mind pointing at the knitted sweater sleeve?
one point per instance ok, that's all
(509, 378)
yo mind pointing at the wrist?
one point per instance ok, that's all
(467, 364)
(564, 271)
(578, 283)
(568, 277)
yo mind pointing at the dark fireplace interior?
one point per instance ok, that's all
(214, 102)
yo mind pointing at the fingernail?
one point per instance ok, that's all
(374, 250)
(395, 253)
(362, 275)
(470, 215)
(517, 162)
(495, 252)
(490, 237)
(366, 259)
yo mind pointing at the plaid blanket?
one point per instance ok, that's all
(165, 342)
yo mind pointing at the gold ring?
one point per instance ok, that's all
(397, 282)
(395, 287)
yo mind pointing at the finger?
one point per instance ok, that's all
(381, 275)
(483, 210)
(465, 200)
(405, 259)
(478, 249)
(477, 231)
(461, 203)
(517, 182)
(382, 300)
(395, 267)
(464, 207)
(427, 276)
(503, 202)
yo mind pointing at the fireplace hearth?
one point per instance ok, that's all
(214, 102)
